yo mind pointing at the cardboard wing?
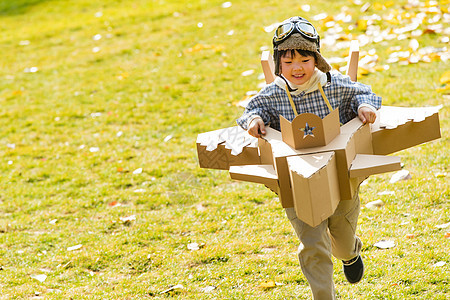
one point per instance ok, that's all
(400, 128)
(227, 147)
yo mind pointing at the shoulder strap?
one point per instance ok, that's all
(291, 101)
(325, 97)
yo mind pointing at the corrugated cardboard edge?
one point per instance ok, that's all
(387, 141)
(315, 197)
(365, 165)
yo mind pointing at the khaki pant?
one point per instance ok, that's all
(336, 236)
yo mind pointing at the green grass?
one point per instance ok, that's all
(148, 82)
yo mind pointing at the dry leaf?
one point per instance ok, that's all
(410, 236)
(442, 226)
(114, 204)
(40, 277)
(267, 284)
(247, 73)
(384, 244)
(447, 235)
(127, 220)
(445, 78)
(375, 204)
(208, 289)
(226, 4)
(138, 171)
(76, 247)
(400, 175)
(439, 264)
(195, 246)
(172, 288)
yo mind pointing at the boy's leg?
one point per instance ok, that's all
(314, 254)
(342, 224)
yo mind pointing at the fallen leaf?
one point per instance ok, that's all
(114, 204)
(445, 78)
(384, 244)
(439, 264)
(447, 235)
(208, 289)
(128, 219)
(247, 73)
(76, 247)
(195, 246)
(375, 204)
(383, 193)
(267, 284)
(400, 175)
(40, 277)
(138, 171)
(410, 236)
(226, 4)
(172, 288)
(442, 226)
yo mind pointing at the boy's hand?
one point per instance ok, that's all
(256, 127)
(366, 115)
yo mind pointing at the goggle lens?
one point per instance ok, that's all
(307, 29)
(284, 30)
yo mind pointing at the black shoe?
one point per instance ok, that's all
(354, 269)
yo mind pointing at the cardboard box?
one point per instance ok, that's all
(309, 130)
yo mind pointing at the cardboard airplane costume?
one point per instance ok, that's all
(314, 163)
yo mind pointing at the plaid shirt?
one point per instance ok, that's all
(273, 101)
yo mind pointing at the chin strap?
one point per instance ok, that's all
(287, 84)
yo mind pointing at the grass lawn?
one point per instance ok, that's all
(101, 194)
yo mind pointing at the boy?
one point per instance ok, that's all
(300, 68)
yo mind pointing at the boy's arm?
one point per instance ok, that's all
(257, 113)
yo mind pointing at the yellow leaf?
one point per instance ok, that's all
(445, 78)
(388, 4)
(362, 71)
(267, 284)
(378, 6)
(362, 24)
(445, 89)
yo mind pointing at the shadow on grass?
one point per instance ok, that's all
(17, 7)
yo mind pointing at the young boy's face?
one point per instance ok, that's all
(297, 69)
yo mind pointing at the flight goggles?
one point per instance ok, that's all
(299, 25)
